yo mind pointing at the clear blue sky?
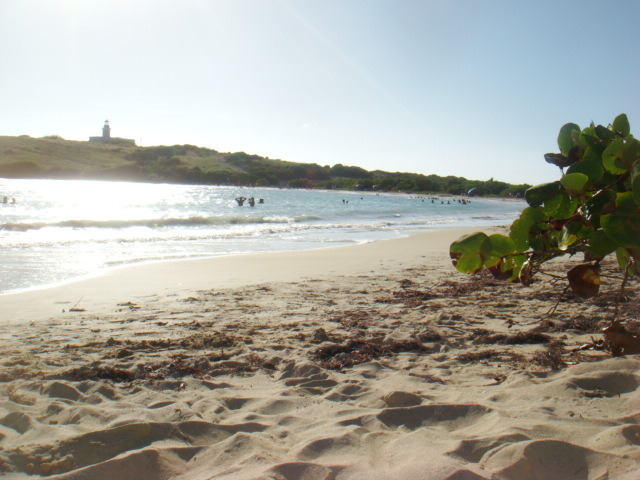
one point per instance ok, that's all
(453, 87)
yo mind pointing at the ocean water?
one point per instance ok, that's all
(60, 229)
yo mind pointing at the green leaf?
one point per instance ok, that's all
(519, 232)
(536, 214)
(561, 206)
(590, 165)
(620, 155)
(599, 246)
(587, 138)
(629, 260)
(504, 270)
(604, 134)
(537, 195)
(623, 225)
(501, 246)
(567, 239)
(621, 125)
(558, 160)
(577, 138)
(565, 142)
(469, 252)
(635, 181)
(631, 154)
(576, 183)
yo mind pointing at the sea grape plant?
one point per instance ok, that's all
(593, 210)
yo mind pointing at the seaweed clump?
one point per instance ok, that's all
(354, 352)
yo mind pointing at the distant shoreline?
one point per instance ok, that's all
(52, 157)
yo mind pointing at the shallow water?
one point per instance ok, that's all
(61, 229)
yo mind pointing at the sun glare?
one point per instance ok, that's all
(91, 200)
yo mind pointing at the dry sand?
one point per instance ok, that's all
(372, 362)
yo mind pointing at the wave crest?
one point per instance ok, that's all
(153, 223)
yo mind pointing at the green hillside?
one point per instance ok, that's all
(54, 157)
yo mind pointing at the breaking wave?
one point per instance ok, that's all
(155, 223)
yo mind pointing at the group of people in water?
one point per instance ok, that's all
(462, 201)
(5, 201)
(250, 200)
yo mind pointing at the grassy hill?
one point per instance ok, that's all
(54, 157)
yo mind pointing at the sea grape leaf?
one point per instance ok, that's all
(557, 159)
(614, 155)
(537, 232)
(526, 273)
(599, 246)
(635, 181)
(501, 245)
(573, 232)
(536, 196)
(565, 140)
(604, 133)
(629, 260)
(590, 165)
(561, 206)
(597, 205)
(520, 230)
(578, 139)
(536, 214)
(469, 252)
(631, 154)
(502, 270)
(584, 280)
(587, 138)
(576, 183)
(623, 225)
(508, 268)
(567, 239)
(621, 125)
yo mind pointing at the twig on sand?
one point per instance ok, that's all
(75, 309)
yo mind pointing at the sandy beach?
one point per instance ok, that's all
(375, 362)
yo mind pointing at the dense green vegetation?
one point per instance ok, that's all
(54, 157)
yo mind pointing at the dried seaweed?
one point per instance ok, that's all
(489, 354)
(551, 357)
(408, 297)
(354, 352)
(430, 335)
(96, 372)
(360, 319)
(478, 282)
(530, 337)
(178, 367)
(578, 323)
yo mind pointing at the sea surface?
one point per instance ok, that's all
(58, 230)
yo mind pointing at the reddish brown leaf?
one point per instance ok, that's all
(584, 280)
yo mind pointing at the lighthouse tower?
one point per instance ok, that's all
(106, 131)
(107, 138)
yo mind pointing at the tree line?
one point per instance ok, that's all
(42, 158)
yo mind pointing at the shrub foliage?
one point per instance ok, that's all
(593, 210)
